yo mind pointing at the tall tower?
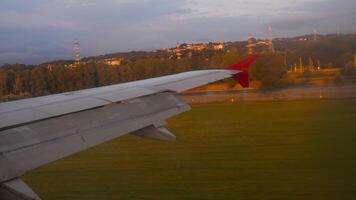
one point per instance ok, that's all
(250, 44)
(76, 48)
(315, 35)
(178, 52)
(270, 39)
(301, 64)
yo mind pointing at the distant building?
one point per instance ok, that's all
(114, 61)
(193, 47)
(71, 66)
(188, 49)
(164, 50)
(178, 53)
(257, 45)
(218, 47)
(200, 47)
(50, 67)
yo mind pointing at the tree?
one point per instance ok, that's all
(3, 83)
(269, 69)
(38, 82)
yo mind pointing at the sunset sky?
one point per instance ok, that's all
(41, 30)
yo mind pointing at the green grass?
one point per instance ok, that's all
(286, 150)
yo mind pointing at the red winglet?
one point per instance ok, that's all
(243, 66)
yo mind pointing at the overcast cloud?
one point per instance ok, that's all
(40, 30)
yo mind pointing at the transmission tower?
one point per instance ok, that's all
(76, 48)
(250, 44)
(270, 39)
(315, 35)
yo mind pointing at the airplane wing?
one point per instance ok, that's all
(37, 131)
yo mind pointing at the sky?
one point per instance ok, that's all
(35, 31)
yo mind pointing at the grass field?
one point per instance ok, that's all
(286, 150)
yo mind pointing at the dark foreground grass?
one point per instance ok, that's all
(287, 150)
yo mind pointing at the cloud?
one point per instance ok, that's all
(99, 25)
(48, 28)
(21, 57)
(325, 16)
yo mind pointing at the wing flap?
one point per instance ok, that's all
(156, 133)
(121, 95)
(71, 106)
(21, 117)
(16, 189)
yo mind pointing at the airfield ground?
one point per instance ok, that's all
(266, 150)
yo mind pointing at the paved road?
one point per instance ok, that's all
(285, 94)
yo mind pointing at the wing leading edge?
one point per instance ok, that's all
(67, 123)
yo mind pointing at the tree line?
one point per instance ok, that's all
(18, 80)
(26, 80)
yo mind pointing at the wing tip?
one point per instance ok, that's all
(243, 76)
(244, 64)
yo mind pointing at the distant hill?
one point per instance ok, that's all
(305, 45)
